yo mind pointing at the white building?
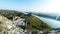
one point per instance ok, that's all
(54, 31)
(16, 31)
(19, 22)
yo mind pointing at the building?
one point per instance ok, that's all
(19, 22)
(54, 31)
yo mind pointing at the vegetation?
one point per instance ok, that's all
(33, 23)
(36, 24)
(5, 23)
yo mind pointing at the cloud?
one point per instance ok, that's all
(52, 7)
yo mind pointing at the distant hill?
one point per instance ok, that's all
(33, 23)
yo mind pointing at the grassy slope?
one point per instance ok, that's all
(36, 24)
(33, 22)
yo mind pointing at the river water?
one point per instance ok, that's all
(51, 22)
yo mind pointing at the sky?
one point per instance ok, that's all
(24, 5)
(51, 6)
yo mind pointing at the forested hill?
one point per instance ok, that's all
(33, 23)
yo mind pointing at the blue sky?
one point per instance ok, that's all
(31, 5)
(50, 6)
(23, 4)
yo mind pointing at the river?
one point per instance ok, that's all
(51, 22)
